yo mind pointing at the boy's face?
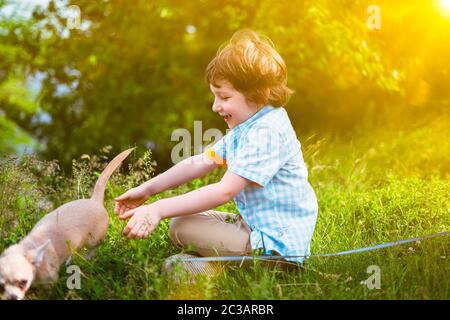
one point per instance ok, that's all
(231, 104)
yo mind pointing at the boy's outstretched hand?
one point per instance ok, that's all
(131, 199)
(143, 222)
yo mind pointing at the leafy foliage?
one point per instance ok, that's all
(132, 73)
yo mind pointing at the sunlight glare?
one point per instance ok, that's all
(445, 5)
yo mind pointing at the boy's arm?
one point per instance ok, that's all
(146, 218)
(202, 199)
(184, 171)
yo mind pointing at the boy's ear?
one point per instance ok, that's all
(36, 256)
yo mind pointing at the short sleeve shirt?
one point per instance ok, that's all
(280, 205)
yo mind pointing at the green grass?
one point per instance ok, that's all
(385, 185)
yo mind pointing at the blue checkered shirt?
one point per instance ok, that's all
(280, 205)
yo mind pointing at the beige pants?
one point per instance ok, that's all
(215, 233)
(211, 233)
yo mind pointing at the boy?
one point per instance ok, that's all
(266, 174)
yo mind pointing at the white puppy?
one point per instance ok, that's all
(55, 237)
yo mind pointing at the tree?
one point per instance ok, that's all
(16, 101)
(134, 70)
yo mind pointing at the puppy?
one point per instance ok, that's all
(77, 224)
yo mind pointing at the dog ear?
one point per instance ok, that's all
(36, 256)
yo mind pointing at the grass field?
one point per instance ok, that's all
(383, 186)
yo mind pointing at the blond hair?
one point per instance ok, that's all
(251, 64)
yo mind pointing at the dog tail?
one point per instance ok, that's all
(100, 186)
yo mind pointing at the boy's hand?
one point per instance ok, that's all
(131, 199)
(143, 222)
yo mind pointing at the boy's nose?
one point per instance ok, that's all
(216, 107)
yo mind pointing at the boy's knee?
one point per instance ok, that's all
(173, 229)
(176, 227)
